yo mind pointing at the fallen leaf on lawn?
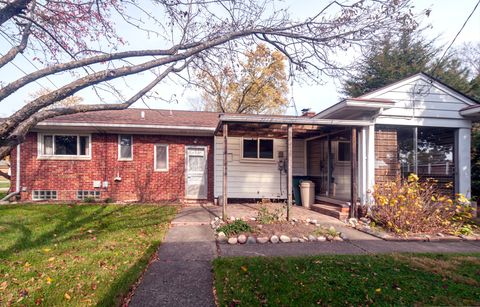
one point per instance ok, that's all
(89, 231)
(49, 280)
(51, 259)
(67, 296)
(27, 264)
(378, 290)
(244, 268)
(3, 285)
(46, 250)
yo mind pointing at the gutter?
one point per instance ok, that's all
(96, 125)
(17, 178)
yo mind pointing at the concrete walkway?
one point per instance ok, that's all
(182, 276)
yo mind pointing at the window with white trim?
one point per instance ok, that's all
(257, 149)
(64, 145)
(44, 195)
(82, 194)
(161, 157)
(125, 147)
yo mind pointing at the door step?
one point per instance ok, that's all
(333, 210)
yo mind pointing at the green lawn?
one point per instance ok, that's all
(76, 254)
(401, 279)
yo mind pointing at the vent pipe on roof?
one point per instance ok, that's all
(142, 114)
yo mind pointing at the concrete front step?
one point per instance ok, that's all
(335, 211)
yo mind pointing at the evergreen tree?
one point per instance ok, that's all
(393, 58)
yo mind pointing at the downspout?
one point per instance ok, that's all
(17, 178)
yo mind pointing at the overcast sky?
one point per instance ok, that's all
(446, 18)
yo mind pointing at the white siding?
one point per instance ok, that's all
(255, 179)
(418, 99)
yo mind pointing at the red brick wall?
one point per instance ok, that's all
(139, 181)
(387, 166)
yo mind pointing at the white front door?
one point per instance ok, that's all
(196, 186)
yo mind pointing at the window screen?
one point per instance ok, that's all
(125, 147)
(266, 149)
(161, 158)
(250, 149)
(66, 145)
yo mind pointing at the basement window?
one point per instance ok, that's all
(82, 194)
(44, 195)
(258, 149)
(64, 146)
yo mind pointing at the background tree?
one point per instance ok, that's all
(79, 39)
(393, 58)
(255, 85)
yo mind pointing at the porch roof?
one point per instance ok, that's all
(355, 108)
(276, 126)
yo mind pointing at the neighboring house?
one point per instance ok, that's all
(415, 125)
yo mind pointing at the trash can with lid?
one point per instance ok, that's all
(307, 191)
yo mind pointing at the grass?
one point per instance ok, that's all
(3, 194)
(401, 279)
(4, 184)
(58, 255)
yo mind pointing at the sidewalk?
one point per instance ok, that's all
(182, 276)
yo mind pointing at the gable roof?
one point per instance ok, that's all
(427, 78)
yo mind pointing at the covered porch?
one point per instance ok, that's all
(261, 157)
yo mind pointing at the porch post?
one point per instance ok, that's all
(289, 172)
(225, 161)
(353, 160)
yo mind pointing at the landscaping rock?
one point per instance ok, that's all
(308, 220)
(329, 237)
(232, 218)
(301, 240)
(251, 240)
(321, 239)
(344, 236)
(311, 238)
(274, 239)
(262, 240)
(441, 235)
(222, 239)
(221, 234)
(365, 220)
(232, 240)
(253, 219)
(295, 239)
(313, 222)
(294, 219)
(285, 239)
(337, 238)
(242, 239)
(216, 218)
(259, 226)
(352, 222)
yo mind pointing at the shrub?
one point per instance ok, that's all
(89, 200)
(414, 206)
(266, 217)
(236, 227)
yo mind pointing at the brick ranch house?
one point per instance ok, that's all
(415, 125)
